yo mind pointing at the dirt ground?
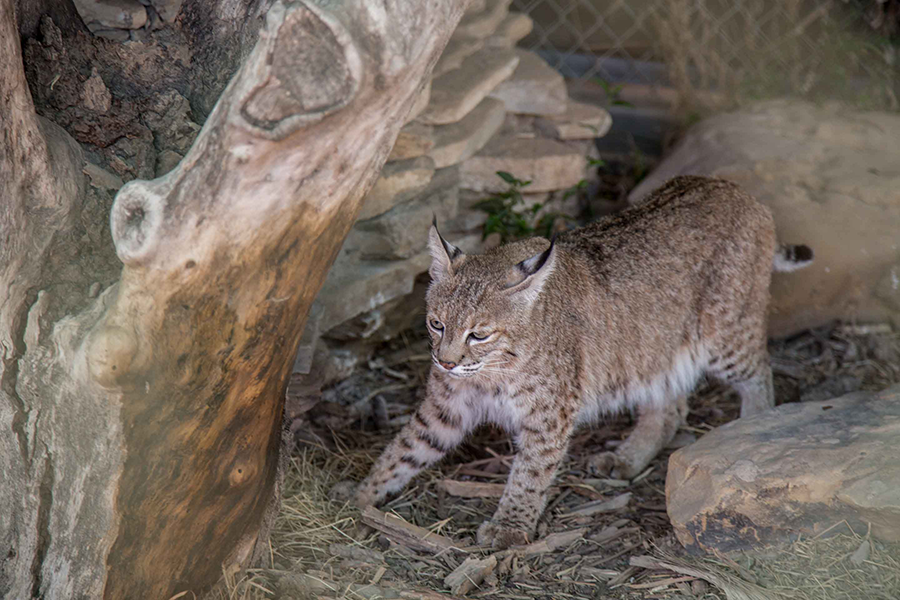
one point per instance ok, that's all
(613, 538)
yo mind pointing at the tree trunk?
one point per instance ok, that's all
(142, 423)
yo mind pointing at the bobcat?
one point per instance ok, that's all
(626, 313)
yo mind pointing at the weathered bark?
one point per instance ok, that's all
(142, 427)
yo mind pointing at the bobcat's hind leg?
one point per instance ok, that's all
(750, 375)
(756, 392)
(655, 428)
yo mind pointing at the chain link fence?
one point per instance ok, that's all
(715, 52)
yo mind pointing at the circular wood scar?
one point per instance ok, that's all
(309, 73)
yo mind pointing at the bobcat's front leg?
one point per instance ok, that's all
(436, 428)
(541, 447)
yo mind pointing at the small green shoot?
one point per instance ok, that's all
(612, 92)
(502, 218)
(510, 223)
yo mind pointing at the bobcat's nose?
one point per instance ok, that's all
(447, 365)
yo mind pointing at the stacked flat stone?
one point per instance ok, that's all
(119, 19)
(470, 120)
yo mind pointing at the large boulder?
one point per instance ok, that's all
(831, 178)
(798, 469)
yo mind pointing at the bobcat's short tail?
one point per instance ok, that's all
(790, 257)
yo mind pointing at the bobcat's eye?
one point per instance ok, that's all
(436, 325)
(478, 337)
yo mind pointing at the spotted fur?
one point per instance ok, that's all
(624, 314)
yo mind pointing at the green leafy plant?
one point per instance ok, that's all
(595, 162)
(641, 168)
(582, 185)
(578, 187)
(505, 216)
(612, 92)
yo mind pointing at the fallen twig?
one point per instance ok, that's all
(734, 587)
(476, 489)
(551, 543)
(599, 506)
(315, 583)
(407, 534)
(470, 574)
(608, 534)
(471, 489)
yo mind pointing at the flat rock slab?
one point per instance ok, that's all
(402, 232)
(101, 178)
(415, 139)
(468, 217)
(549, 164)
(399, 182)
(483, 23)
(798, 469)
(167, 9)
(535, 87)
(166, 161)
(455, 93)
(830, 177)
(420, 103)
(111, 14)
(512, 29)
(356, 286)
(456, 142)
(580, 122)
(455, 52)
(475, 6)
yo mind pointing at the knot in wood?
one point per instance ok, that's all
(242, 472)
(135, 221)
(313, 69)
(110, 353)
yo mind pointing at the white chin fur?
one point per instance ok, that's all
(460, 374)
(464, 372)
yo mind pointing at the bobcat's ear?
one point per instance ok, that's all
(527, 279)
(443, 254)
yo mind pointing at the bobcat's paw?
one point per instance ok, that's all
(365, 496)
(360, 495)
(343, 491)
(612, 465)
(500, 536)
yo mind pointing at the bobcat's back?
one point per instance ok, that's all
(651, 295)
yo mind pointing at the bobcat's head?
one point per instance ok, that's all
(479, 306)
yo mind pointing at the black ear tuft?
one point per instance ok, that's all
(451, 250)
(803, 253)
(443, 254)
(532, 265)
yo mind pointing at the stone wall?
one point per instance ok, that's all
(489, 107)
